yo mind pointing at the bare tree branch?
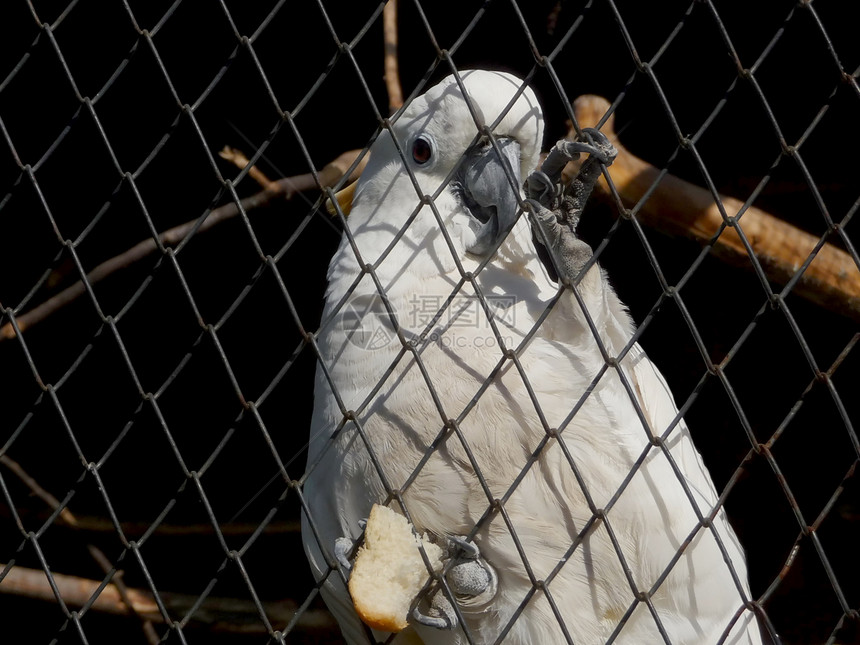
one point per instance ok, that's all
(238, 158)
(219, 614)
(392, 71)
(65, 514)
(286, 188)
(101, 559)
(677, 207)
(552, 18)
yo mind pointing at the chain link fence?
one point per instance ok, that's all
(158, 300)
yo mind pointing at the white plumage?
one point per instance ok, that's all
(548, 507)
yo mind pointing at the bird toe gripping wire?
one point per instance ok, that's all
(344, 546)
(556, 210)
(471, 579)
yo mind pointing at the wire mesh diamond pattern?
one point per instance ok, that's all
(162, 297)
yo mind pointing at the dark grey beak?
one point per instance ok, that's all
(488, 194)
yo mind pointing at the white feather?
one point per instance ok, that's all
(504, 428)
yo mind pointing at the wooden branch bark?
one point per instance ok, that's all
(392, 71)
(677, 207)
(66, 516)
(238, 159)
(219, 614)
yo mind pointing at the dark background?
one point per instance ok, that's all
(89, 98)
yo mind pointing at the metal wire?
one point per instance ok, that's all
(189, 125)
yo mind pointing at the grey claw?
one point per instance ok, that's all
(543, 183)
(602, 147)
(468, 549)
(565, 151)
(342, 550)
(431, 621)
(471, 580)
(343, 547)
(572, 149)
(540, 187)
(441, 614)
(556, 211)
(562, 152)
(594, 151)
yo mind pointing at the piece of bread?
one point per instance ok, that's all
(389, 571)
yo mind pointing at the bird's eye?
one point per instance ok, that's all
(422, 151)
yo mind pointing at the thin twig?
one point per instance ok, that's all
(41, 493)
(238, 158)
(552, 18)
(392, 72)
(286, 188)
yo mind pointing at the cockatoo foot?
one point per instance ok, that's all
(441, 614)
(471, 579)
(556, 210)
(342, 551)
(343, 547)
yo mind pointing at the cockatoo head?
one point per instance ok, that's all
(447, 155)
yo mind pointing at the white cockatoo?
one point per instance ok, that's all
(506, 412)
